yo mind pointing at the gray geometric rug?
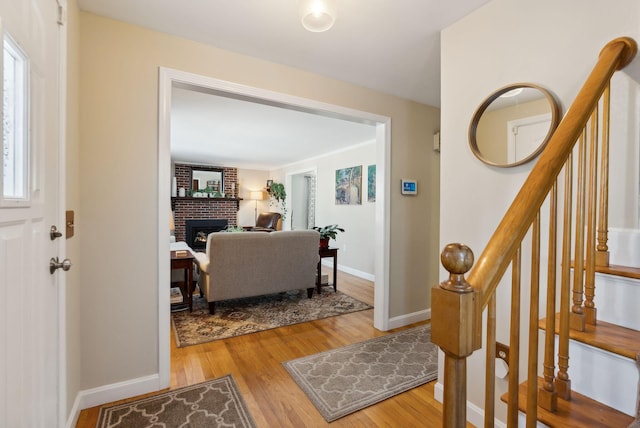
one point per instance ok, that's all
(252, 314)
(215, 403)
(344, 380)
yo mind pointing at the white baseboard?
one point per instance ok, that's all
(350, 271)
(72, 417)
(407, 319)
(113, 392)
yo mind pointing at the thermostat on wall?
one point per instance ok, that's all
(409, 187)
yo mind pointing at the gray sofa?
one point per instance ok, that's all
(245, 264)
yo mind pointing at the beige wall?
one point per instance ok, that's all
(548, 42)
(251, 180)
(73, 288)
(119, 100)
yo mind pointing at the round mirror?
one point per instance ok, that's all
(512, 125)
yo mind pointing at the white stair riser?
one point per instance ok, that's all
(624, 247)
(616, 299)
(603, 376)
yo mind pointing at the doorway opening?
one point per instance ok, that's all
(169, 79)
(303, 200)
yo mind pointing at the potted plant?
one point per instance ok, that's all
(278, 196)
(328, 232)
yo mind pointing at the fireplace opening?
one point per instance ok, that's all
(198, 230)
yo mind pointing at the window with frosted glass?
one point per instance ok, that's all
(14, 123)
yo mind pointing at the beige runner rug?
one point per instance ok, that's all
(344, 380)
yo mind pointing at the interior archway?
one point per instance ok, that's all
(168, 78)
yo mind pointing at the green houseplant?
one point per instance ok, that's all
(328, 232)
(278, 197)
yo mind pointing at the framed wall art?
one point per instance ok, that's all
(349, 186)
(371, 183)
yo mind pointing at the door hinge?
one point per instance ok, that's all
(62, 13)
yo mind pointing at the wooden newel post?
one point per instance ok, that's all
(456, 327)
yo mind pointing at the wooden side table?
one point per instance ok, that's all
(325, 253)
(185, 262)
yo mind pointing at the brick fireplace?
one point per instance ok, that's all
(190, 208)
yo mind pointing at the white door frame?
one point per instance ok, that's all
(61, 221)
(289, 183)
(513, 125)
(167, 78)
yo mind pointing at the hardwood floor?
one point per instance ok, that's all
(273, 398)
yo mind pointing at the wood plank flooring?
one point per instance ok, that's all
(273, 398)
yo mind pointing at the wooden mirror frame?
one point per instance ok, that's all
(204, 169)
(473, 127)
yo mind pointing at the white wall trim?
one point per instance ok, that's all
(74, 413)
(116, 391)
(167, 78)
(61, 217)
(164, 210)
(351, 271)
(328, 154)
(383, 226)
(407, 319)
(286, 225)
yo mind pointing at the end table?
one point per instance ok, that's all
(185, 261)
(325, 253)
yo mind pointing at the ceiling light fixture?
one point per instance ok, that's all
(512, 93)
(317, 15)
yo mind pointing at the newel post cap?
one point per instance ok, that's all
(457, 259)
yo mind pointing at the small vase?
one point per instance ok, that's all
(324, 242)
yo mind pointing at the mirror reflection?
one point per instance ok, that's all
(207, 180)
(512, 125)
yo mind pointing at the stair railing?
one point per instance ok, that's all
(458, 303)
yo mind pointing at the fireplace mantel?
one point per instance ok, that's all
(212, 200)
(190, 208)
(187, 207)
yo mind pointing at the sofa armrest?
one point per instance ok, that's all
(202, 260)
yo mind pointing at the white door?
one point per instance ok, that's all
(526, 135)
(31, 373)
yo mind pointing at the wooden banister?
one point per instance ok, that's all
(499, 252)
(458, 303)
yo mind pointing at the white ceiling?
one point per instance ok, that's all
(218, 130)
(392, 46)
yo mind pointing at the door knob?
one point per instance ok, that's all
(55, 264)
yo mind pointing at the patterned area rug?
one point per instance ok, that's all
(216, 403)
(249, 315)
(344, 380)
